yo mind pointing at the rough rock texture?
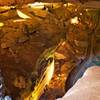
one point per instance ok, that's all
(22, 41)
(14, 2)
(20, 2)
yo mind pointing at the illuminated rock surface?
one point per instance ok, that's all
(26, 33)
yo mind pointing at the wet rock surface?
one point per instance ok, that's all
(21, 43)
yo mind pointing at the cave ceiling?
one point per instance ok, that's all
(20, 2)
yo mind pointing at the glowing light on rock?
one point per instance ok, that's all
(19, 20)
(65, 5)
(59, 55)
(87, 9)
(81, 14)
(76, 9)
(38, 5)
(41, 5)
(74, 20)
(47, 76)
(7, 7)
(22, 15)
(1, 24)
(69, 4)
